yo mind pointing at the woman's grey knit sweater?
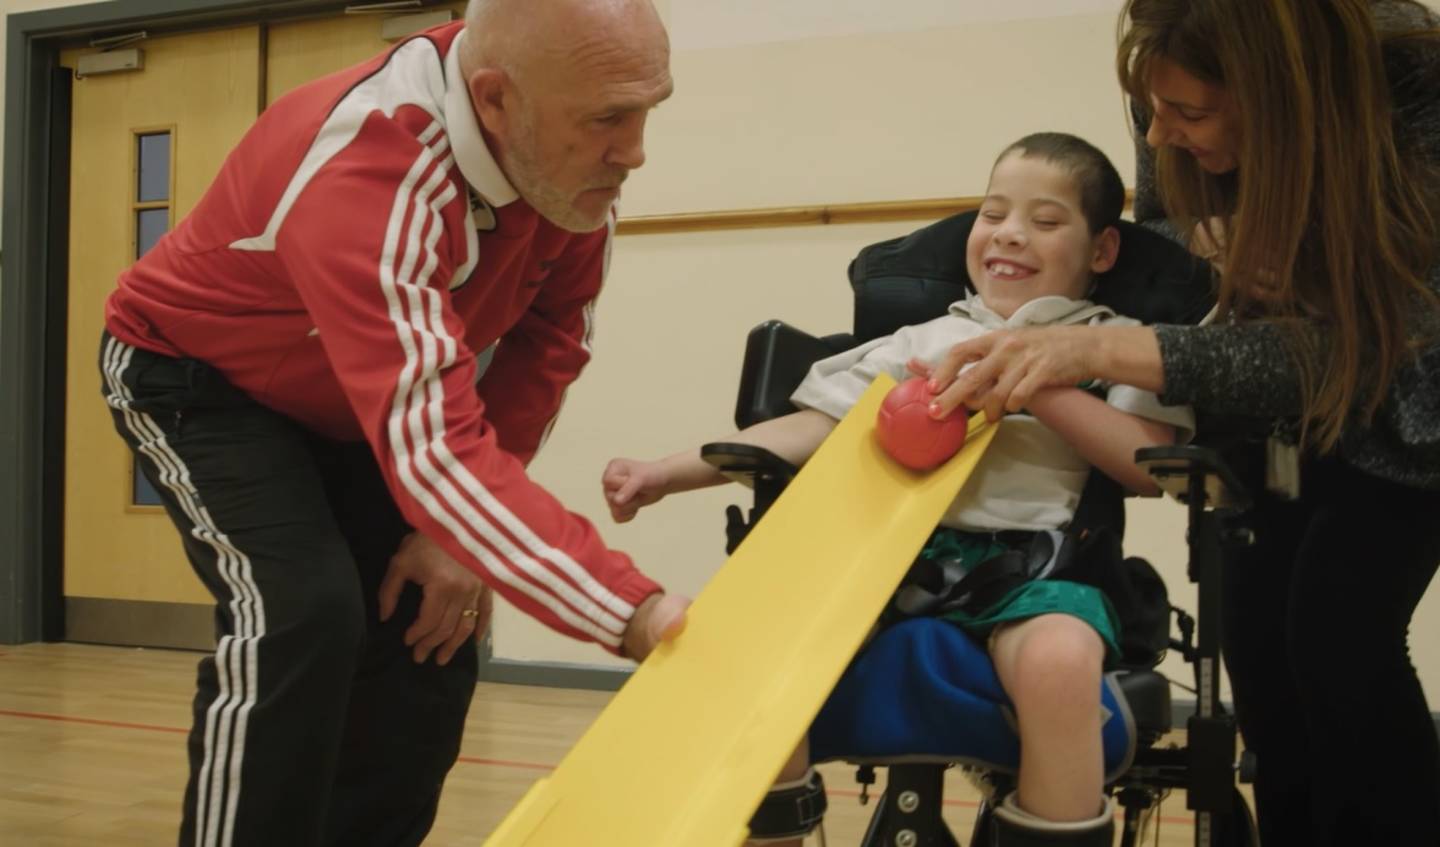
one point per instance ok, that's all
(1247, 369)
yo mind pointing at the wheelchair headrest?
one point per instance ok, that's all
(913, 279)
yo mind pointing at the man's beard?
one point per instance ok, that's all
(528, 178)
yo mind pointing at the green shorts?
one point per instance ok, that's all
(1025, 601)
(1045, 597)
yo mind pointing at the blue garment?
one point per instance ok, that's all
(923, 689)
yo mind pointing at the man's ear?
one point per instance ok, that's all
(1107, 250)
(489, 93)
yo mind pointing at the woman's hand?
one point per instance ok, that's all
(1007, 366)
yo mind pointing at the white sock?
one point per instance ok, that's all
(1011, 811)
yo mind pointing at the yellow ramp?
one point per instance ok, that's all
(686, 749)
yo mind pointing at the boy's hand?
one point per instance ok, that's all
(630, 485)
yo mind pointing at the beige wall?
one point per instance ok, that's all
(886, 116)
(857, 112)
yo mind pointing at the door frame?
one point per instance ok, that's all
(33, 245)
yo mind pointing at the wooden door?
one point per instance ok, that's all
(300, 51)
(145, 144)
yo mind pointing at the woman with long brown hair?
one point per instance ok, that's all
(1295, 143)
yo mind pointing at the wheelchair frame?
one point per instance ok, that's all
(909, 810)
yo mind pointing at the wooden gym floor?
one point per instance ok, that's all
(92, 752)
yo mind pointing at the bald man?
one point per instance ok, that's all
(295, 367)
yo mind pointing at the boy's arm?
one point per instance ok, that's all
(631, 485)
(1106, 436)
(826, 394)
(794, 437)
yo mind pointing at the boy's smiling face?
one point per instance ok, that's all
(1031, 238)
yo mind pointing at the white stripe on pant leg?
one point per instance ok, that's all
(146, 434)
(236, 656)
(218, 781)
(118, 356)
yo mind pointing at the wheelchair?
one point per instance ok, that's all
(913, 279)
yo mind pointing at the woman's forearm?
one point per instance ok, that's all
(1129, 355)
(1244, 369)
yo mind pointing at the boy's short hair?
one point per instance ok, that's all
(1102, 193)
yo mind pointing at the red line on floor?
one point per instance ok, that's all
(506, 764)
(471, 760)
(91, 721)
(39, 716)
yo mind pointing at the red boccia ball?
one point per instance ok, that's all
(908, 433)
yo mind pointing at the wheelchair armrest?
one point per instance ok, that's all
(747, 464)
(777, 357)
(1174, 468)
(756, 468)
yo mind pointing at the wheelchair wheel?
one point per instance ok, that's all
(983, 833)
(1237, 829)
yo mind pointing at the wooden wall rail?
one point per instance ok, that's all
(778, 216)
(839, 213)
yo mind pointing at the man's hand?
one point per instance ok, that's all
(630, 485)
(659, 617)
(455, 604)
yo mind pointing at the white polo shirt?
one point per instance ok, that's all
(1030, 478)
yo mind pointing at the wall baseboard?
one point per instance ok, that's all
(552, 674)
(140, 623)
(547, 674)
